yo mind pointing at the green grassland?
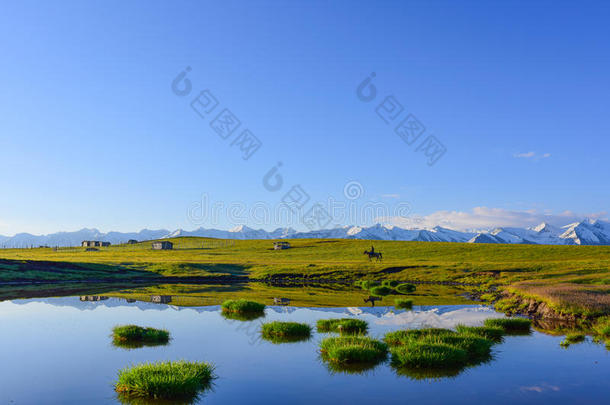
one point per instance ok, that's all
(318, 259)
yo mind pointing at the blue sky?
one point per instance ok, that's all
(92, 135)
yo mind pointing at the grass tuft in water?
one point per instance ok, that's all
(487, 332)
(353, 350)
(510, 325)
(165, 380)
(285, 332)
(602, 327)
(242, 306)
(342, 325)
(402, 337)
(403, 303)
(572, 338)
(133, 336)
(428, 355)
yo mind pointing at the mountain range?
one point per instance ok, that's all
(587, 232)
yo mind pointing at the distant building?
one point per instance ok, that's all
(161, 299)
(132, 242)
(163, 245)
(94, 243)
(281, 245)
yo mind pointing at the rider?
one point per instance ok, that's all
(372, 249)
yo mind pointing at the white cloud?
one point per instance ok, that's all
(487, 218)
(531, 155)
(390, 195)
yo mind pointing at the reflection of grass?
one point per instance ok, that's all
(242, 306)
(246, 316)
(353, 350)
(403, 303)
(510, 325)
(285, 332)
(133, 336)
(165, 380)
(342, 325)
(417, 373)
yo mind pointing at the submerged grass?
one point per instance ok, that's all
(242, 306)
(342, 325)
(353, 349)
(284, 332)
(132, 336)
(403, 303)
(165, 380)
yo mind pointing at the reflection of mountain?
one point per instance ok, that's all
(441, 316)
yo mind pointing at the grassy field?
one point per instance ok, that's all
(581, 267)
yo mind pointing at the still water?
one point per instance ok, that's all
(59, 351)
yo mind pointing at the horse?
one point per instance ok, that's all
(372, 254)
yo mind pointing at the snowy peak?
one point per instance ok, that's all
(579, 233)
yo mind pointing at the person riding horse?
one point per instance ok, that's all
(374, 254)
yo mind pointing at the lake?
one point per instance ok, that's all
(59, 351)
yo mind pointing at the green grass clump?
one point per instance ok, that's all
(476, 347)
(342, 325)
(487, 332)
(353, 349)
(428, 355)
(381, 291)
(165, 380)
(242, 306)
(510, 325)
(406, 288)
(135, 336)
(572, 338)
(403, 303)
(282, 332)
(488, 297)
(402, 337)
(602, 327)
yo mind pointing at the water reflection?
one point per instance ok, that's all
(63, 344)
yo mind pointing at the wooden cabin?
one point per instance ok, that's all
(281, 245)
(162, 245)
(94, 243)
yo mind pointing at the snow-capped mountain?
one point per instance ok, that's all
(587, 232)
(22, 240)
